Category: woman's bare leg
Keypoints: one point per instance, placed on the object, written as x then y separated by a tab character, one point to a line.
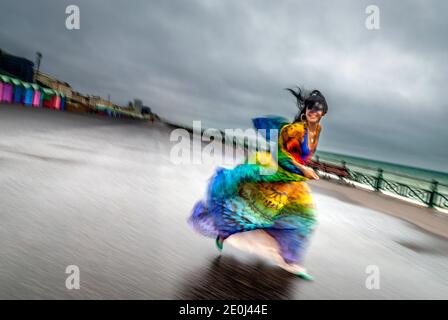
261	243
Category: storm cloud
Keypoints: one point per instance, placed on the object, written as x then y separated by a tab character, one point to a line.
227	61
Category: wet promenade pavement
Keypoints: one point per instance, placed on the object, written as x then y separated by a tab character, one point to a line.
102	194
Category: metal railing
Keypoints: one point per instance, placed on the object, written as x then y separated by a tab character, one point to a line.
431	197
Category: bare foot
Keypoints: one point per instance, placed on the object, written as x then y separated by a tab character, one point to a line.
291	267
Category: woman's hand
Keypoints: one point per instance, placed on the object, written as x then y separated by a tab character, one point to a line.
307	171
310	174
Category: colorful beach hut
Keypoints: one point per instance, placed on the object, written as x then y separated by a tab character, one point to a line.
48	98
61	101
101	109
18	90
36	95
28	94
56	101
1	89
7	92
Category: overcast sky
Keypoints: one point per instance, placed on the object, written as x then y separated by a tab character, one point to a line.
227	61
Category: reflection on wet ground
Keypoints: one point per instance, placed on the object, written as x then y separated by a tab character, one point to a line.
228	278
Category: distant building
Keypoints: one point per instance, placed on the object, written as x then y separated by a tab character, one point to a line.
48	81
16	67
138	105
146	110
75	100
97	100
78	103
79	98
59	93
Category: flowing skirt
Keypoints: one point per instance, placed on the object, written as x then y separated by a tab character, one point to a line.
242	200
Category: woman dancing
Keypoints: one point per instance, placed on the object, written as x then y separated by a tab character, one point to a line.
279	204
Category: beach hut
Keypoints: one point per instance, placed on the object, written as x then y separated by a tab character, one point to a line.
62	102
41	100
56	101
47	98
36	95
101	109
18	90
1	89
7	89
28	94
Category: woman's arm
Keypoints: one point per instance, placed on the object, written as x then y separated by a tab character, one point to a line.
307	171
292	137
293	148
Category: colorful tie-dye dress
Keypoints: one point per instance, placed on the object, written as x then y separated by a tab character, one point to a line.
264	193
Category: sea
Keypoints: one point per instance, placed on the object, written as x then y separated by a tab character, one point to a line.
412	176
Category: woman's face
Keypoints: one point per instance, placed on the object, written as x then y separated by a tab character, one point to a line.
314	114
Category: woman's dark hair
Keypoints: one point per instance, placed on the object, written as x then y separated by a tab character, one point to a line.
305	100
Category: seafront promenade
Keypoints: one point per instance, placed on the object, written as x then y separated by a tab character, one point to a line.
101	193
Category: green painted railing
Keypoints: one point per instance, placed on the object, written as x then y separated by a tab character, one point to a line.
431	197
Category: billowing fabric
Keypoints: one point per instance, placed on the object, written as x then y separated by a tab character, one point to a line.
264	193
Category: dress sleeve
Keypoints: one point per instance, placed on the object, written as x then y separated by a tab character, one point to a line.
290	150
265	124
292	136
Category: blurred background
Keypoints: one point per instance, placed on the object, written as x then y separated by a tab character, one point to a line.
90	93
